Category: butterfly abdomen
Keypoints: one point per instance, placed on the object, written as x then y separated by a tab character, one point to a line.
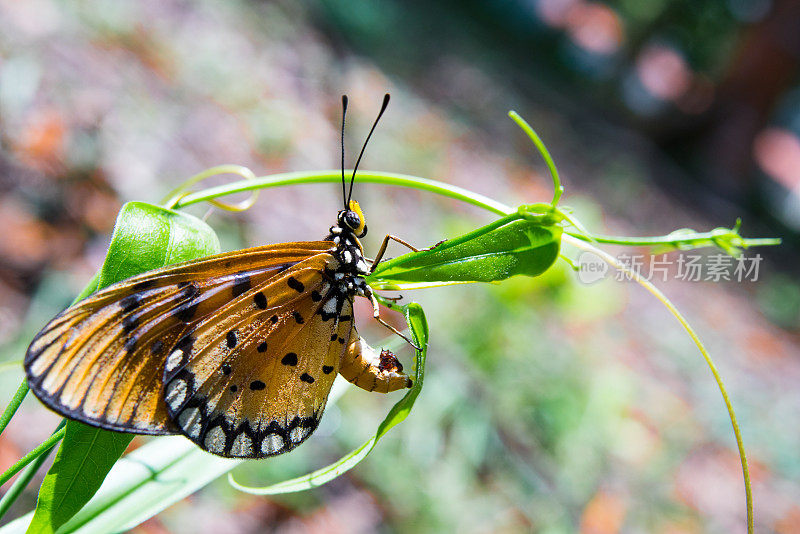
366	368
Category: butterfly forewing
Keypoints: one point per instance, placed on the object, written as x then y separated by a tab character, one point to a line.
255	384
102	360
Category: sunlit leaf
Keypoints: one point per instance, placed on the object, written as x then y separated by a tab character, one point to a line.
489	254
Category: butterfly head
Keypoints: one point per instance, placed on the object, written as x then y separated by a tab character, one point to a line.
353	220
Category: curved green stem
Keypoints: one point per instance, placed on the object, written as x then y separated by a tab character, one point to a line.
22	482
175	196
558	189
33	466
13	406
676	239
41	449
334	176
649	286
19	485
690	240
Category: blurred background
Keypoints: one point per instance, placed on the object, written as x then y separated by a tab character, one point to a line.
549	406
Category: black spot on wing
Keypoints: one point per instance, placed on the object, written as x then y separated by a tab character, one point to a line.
130	303
305	377
289	359
295	284
130	343
185	344
143	285
186	311
262	347
326	316
260	300
189	289
327	369
257	385
241	284
129	323
231	339
298	317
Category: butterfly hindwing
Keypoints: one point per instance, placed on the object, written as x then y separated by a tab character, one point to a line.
102	360
256	384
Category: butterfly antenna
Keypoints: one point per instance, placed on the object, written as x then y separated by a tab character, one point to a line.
353	178
344	112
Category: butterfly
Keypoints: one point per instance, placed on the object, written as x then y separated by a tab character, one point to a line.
237	352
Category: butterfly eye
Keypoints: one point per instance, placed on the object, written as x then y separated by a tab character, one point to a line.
351	220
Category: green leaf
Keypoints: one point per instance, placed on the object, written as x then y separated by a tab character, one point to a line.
83	460
419	332
148	237
145	237
508	247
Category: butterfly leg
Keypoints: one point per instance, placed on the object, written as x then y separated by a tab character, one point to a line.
376	313
370	370
382	250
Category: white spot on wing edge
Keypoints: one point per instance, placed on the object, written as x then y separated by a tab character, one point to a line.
93	411
174	360
272	444
298	433
189	420
215	440
242	446
176	393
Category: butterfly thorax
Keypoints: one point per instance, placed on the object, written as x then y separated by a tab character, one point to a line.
351	265
349	252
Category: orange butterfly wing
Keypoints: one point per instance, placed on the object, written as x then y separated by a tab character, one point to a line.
259	383
102	360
